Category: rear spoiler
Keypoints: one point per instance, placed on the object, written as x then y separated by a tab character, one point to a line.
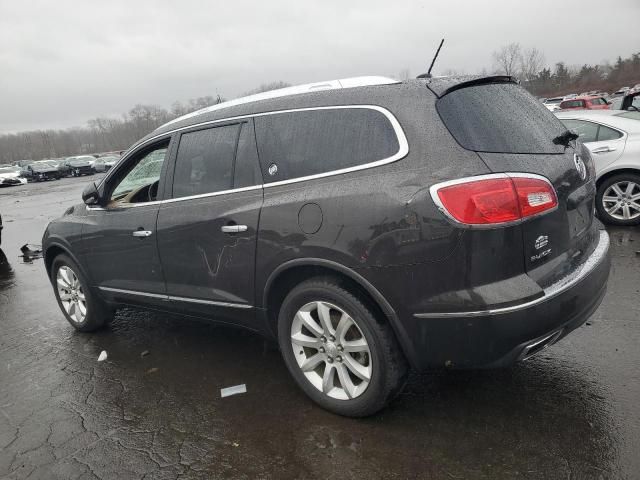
440	86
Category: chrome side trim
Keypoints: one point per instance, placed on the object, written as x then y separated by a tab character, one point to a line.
175	299
403	150
433	190
550	292
209	302
295	90
133	292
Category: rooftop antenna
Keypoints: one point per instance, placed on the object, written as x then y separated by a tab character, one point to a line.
428	74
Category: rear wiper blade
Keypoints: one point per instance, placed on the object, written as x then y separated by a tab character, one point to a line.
565	138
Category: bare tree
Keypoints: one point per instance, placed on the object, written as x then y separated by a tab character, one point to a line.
508	58
265	87
531	63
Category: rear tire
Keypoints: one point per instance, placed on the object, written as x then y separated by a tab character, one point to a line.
337	349
82	308
619	197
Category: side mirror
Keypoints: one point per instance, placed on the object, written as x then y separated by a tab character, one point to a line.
90	194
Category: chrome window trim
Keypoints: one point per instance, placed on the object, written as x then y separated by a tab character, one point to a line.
550	292
433	190
403	150
172	298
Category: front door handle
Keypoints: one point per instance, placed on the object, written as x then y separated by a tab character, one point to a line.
234	228
141	233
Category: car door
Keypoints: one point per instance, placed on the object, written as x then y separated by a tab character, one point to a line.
119	241
207	229
606	144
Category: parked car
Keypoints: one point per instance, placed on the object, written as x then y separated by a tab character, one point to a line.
497	253
80	165
553	104
104	164
40	172
630	102
10	175
613	137
588	103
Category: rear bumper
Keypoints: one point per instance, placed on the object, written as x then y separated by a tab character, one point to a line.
496	337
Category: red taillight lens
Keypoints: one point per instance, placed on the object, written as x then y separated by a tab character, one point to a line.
486	201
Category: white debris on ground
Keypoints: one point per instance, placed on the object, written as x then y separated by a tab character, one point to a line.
103	356
235	390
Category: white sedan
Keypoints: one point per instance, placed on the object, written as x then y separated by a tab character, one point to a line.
10	175
613	138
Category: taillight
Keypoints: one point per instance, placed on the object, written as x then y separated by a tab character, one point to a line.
495	199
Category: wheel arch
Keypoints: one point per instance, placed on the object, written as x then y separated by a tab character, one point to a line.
291	273
53	250
618	171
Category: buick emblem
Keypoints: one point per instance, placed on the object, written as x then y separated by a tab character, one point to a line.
541	241
273	169
580	166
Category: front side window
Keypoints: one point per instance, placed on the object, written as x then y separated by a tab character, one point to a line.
140	181
598	101
204	162
587	131
310	142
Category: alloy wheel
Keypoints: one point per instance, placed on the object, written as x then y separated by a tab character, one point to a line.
71	294
331	350
621	200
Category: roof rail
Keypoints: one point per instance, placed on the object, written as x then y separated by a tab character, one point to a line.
295	90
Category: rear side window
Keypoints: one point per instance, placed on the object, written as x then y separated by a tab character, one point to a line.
501	118
606	133
204	162
310	142
587	131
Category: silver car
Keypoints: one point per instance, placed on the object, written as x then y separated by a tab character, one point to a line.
613	138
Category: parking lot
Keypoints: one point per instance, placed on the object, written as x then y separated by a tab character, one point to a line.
153	408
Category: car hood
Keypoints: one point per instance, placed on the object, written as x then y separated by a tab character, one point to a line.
10	175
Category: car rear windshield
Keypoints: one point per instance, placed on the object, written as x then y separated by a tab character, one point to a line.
500	118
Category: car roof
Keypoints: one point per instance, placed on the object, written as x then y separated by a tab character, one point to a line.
607	117
288	91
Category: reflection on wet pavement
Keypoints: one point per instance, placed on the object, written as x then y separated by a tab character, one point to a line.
572	412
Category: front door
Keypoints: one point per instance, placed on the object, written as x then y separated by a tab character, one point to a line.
207	229
119	239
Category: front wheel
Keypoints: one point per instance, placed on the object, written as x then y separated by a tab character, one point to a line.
337	349
618	199
80	306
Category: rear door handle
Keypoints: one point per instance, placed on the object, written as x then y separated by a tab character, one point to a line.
605	149
141	233
234	228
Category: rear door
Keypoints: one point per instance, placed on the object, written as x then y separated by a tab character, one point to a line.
606	144
207	229
512	132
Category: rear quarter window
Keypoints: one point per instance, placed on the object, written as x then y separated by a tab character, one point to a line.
311	142
500	118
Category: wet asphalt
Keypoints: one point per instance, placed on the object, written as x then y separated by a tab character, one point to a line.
573	412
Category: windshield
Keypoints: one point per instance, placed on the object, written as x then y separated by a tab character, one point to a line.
501	118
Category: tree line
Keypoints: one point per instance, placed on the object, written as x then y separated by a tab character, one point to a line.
104	134
528	64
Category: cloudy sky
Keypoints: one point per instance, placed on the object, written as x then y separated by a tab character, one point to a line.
64	62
